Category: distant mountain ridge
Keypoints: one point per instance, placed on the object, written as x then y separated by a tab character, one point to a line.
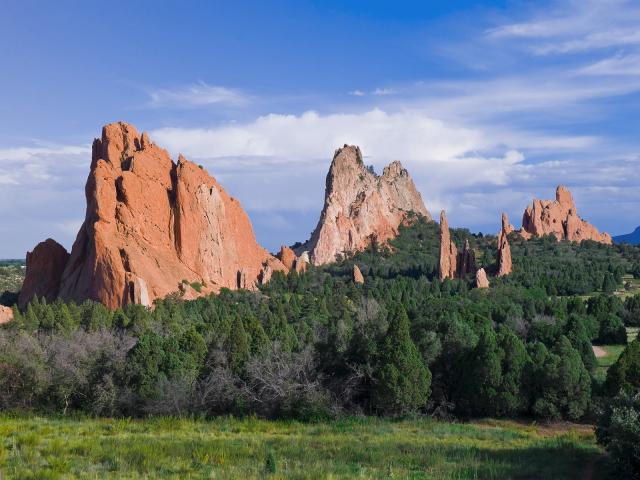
632	238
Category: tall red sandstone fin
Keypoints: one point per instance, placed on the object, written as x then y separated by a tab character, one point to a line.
361	207
448	251
467	263
505	265
45	265
560	218
151	223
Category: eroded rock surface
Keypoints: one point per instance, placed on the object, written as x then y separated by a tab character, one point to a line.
505	265
481	279
361	207
44	268
150	224
560	218
357	275
448	250
6	314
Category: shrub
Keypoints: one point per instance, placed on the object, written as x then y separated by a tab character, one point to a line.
618	430
624	374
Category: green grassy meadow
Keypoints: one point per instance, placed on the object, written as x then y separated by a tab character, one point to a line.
33	447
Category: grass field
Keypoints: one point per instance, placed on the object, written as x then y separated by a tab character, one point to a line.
613	352
603	363
225	448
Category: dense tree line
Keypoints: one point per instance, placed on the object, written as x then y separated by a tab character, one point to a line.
317	344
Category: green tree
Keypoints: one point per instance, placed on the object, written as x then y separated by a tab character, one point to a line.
403	380
561	383
624	374
238	346
482	376
618	430
510	399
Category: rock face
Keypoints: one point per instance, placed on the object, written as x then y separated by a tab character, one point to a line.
505	266
467	263
448	251
481	279
357	275
560	218
6	314
302	262
150	224
45	266
361	207
287	257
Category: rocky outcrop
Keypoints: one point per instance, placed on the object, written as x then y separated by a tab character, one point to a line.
150	224
6	314
302	262
481	279
44	268
560	218
467	263
448	251
361	207
357	275
505	266
288	257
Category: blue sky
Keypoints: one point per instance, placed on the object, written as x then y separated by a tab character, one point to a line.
488	104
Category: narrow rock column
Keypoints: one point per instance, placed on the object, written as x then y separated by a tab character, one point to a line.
505	266
448	250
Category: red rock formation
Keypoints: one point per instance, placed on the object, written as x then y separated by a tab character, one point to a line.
357	275
151	223
302	262
481	279
448	250
287	257
560	218
361	207
6	314
45	265
505	266
467	263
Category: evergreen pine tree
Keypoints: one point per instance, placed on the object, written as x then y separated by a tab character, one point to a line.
403	380
238	346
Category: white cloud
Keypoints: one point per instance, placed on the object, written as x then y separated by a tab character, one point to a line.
277	160
198	95
357	93
19	154
574	26
624	65
384	91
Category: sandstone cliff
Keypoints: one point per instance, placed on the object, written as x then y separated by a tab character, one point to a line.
153	227
560	218
361	207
